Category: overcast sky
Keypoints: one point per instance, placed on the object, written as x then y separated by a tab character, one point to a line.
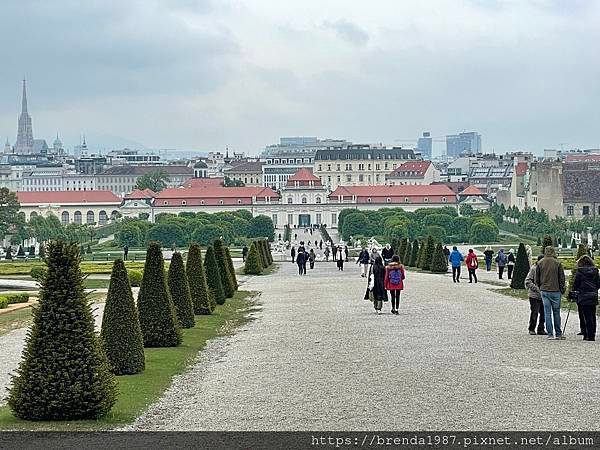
203	74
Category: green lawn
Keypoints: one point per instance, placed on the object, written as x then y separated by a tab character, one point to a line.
24	267
13	320
96	284
137	392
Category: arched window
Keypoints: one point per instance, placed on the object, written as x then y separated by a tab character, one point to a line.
318	200
304	200
64	218
389	200
102	218
165	202
239	201
32	215
220	202
114	215
369	200
444	199
289	200
90	217
77	217
406	200
426	200
202	202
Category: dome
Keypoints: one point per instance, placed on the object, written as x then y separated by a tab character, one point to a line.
200	165
57	142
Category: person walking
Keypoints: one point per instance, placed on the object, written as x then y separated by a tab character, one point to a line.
550	279
489	254
501	262
456	258
374	254
125	252
311	258
346	251
301	261
326	252
334	251
363	260
244	252
535	302
394	281
379	292
586	284
387	254
321	244
340	260
510	264
472	265
293	253
447	253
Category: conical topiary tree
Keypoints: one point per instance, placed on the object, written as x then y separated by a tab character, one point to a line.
573	243
213	277
270	253
156	310
42	251
264	260
9	255
121	333
414	254
226	280
402	250
180	292
32	251
64	373
202	298
439	263
521	268
407	252
547	242
539	241
21	252
427	254
253	265
231	268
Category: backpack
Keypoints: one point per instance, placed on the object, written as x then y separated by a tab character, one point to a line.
396	276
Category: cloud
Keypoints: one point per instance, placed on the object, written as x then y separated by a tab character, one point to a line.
348	32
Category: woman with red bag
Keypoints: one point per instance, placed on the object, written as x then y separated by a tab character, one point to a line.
394	281
472	265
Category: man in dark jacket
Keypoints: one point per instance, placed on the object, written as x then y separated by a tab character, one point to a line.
244	252
550	279
586	284
387	254
301	261
363	260
293	252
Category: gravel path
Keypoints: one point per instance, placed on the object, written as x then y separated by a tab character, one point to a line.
318	357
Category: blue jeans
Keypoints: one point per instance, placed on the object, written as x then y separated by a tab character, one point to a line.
552	310
488	264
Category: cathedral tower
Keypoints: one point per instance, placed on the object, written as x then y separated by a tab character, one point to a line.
24	143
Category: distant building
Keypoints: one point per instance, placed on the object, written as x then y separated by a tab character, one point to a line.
413	173
249	172
424	145
122	179
463	144
56	178
24	144
128	156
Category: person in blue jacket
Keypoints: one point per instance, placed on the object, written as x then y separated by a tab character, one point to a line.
456	258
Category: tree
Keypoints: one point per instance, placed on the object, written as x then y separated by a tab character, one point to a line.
521	268
167	234
129	235
231	268
437	232
213	277
226	280
253	265
21	252
9	255
207	234
355	224
64	373
42	251
466	210
483	233
261	227
201	296
420	255
9	207
407	252
180	292
402	250
439	263
121	333
414	254
156	181
156	310
547	242
428	253
573	243
228	182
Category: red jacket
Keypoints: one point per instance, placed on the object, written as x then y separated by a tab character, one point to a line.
471	261
394	287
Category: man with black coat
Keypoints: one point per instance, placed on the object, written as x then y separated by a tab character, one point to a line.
586	285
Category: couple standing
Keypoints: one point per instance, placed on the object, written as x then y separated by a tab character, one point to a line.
384	279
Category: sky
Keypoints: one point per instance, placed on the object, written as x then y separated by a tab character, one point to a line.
206	74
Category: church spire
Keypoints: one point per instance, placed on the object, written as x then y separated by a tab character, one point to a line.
24	100
24	144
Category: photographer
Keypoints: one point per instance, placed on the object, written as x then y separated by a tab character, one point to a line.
586	285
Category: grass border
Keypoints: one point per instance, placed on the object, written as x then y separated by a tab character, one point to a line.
137	392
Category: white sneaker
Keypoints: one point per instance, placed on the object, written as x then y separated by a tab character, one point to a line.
551	337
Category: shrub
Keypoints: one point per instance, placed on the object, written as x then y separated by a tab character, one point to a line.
402	250
21	252
231	268
64	373
213	277
12	299
121	332
253	265
547	242
157	313
8	253
407	252
3	302
135	277
538	242
32	250
202	298
427	255
482	232
38	273
180	292
42	251
420	255
439	263
521	268
261	227
89	249
414	254
226	280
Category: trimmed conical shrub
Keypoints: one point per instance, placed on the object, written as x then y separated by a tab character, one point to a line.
264	259
547	242
180	292
9	255
439	263
121	333
213	277
157	313
420	257
427	255
21	252
226	280
521	268
42	251
202	298
231	268
64	373
407	252
401	252
253	265
414	254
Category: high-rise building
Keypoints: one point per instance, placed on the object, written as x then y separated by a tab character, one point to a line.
468	143
24	143
424	145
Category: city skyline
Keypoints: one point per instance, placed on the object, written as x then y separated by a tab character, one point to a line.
241	75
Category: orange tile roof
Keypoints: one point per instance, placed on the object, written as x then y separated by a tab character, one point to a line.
397	194
472	190
411	169
138	194
67	197
304	174
213	195
203	182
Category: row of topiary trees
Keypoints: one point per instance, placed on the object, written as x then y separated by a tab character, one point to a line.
67	371
259	257
426	255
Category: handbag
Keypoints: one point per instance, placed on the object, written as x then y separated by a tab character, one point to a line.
573	295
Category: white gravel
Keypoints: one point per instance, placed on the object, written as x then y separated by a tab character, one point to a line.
318	357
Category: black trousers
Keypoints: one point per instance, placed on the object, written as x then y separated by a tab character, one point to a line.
581	319
395	294
456	274
301	269
589	316
510	271
472	275
537	309
500	271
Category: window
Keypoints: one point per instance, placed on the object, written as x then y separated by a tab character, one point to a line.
377	166
361	167
320	167
165	202
90	217
64	218
220	202
426	200
290	219
304	200
586	211
328	167
338	167
369	200
183	202
339	178
202	202
570	210
239	201
289	200
349	178
333	219
377	178
318	200
273	218
389	200
348	166
102	218
361	178
406	200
